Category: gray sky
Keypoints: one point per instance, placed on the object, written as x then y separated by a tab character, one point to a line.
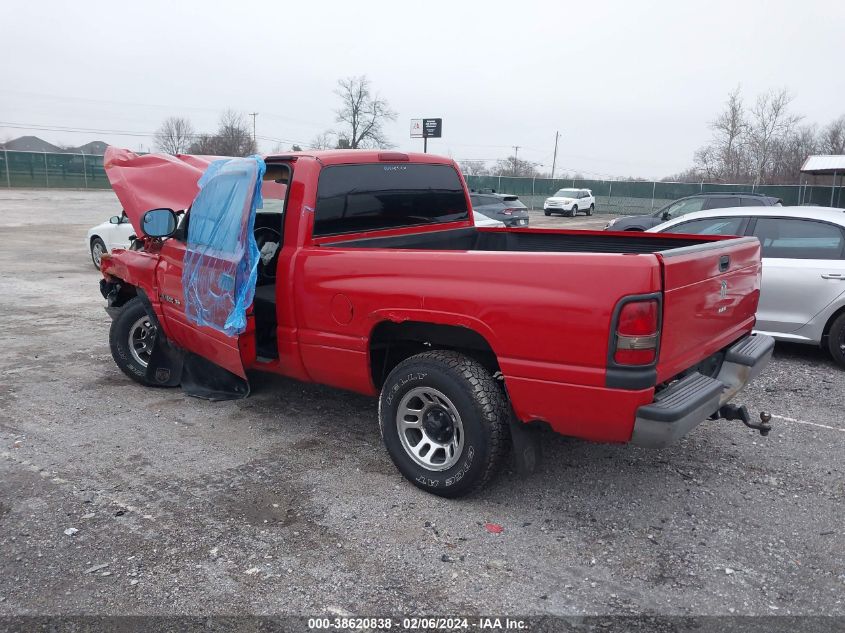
630	85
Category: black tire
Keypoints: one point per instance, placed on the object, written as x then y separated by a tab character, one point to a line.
836	340
483	415
119	340
98	248
548	213
574	212
591	209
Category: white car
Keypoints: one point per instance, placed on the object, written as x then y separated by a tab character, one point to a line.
570	201
802	295
107	236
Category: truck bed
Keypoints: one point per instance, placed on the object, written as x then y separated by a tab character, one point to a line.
527	240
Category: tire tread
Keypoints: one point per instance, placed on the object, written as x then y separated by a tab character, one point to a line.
488	396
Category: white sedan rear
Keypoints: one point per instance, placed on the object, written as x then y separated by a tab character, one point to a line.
802	297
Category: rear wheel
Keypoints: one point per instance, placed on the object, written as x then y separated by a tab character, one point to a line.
591	209
444	422
836	340
131	338
98	249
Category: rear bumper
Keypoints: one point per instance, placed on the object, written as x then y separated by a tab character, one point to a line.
683	406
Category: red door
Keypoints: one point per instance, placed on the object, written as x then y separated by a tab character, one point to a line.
211	344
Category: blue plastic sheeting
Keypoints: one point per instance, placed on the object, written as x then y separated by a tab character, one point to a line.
221	259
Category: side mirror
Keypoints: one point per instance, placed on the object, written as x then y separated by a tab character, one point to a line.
115	219
159	222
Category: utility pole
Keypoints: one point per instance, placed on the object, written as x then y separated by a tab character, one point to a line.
554	160
254	139
515	159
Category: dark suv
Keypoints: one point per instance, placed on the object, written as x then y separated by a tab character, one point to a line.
698	202
502	207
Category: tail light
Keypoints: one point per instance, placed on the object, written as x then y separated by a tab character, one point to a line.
637	333
508	211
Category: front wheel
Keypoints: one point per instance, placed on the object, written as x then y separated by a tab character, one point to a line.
98	249
573	212
131	338
444	422
836	340
548	213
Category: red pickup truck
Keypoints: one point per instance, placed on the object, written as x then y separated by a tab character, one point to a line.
373	278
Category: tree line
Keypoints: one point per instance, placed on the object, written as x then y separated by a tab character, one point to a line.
361	117
764	142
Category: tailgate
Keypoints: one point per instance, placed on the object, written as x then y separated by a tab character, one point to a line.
710	297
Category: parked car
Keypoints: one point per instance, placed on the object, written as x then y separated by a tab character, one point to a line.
690	204
504	208
109	235
480	219
386	288
568	202
802	297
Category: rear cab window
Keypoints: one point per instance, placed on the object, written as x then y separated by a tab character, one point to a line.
375	196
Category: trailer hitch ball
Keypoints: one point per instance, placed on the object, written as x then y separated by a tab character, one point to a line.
733	412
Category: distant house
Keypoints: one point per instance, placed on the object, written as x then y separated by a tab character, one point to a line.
35	144
30	144
94	147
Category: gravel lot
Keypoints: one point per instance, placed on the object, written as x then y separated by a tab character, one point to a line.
286	503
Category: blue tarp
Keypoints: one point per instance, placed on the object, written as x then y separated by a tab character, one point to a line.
221	257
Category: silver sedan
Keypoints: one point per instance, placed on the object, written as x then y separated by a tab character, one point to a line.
802	298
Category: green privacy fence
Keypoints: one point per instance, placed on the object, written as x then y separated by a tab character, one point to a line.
85	171
638	196
62	171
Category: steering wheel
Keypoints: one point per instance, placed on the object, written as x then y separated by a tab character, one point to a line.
264	235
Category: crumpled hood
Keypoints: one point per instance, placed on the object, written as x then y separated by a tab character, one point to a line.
153	181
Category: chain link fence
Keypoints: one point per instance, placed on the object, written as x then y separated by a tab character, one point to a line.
46	170
85	171
640	197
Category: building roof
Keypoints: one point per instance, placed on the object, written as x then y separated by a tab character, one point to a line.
30	144
824	164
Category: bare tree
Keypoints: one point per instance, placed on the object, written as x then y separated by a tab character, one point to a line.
789	154
513	166
771	123
204	144
323	141
362	114
234	136
728	150
832	139
174	136
474	167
